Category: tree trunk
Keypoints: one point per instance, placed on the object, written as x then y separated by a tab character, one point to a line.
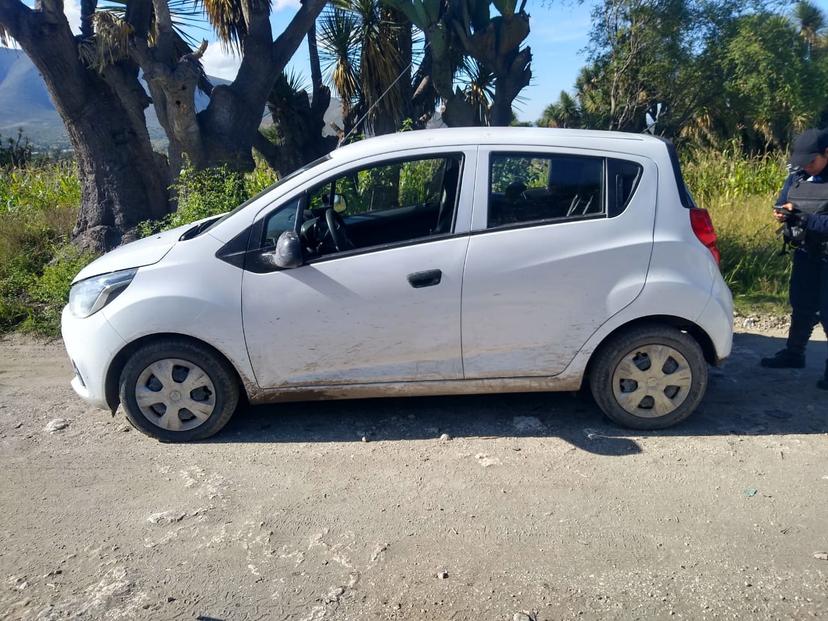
122	181
512	79
224	133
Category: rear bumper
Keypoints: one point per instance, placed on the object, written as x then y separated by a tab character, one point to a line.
92	344
717	321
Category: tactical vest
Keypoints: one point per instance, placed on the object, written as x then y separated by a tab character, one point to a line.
811	198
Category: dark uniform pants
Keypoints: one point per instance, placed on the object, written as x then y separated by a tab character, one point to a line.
809	298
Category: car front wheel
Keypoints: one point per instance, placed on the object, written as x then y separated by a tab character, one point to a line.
178	391
650	377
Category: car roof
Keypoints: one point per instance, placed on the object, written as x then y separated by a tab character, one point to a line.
527	136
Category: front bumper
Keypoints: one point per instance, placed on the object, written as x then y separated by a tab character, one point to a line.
92	344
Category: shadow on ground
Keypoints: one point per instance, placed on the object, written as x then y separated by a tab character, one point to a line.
742	399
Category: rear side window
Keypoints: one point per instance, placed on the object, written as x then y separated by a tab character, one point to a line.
622	180
526	188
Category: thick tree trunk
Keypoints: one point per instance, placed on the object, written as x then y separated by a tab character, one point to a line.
297	127
225	132
514	77
122	180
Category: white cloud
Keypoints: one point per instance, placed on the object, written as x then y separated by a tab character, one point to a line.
220	63
72	10
281	5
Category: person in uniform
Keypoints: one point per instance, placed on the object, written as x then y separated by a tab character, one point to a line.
808	230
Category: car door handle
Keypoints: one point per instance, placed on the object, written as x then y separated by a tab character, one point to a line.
428	278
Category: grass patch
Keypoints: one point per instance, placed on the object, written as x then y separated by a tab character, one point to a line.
38	208
739	193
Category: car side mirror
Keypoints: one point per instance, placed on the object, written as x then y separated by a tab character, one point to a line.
288	252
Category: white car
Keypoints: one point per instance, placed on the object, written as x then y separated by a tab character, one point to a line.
435	262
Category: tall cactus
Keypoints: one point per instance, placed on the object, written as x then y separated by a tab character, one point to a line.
494	42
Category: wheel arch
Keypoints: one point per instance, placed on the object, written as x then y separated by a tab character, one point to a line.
680	323
113	373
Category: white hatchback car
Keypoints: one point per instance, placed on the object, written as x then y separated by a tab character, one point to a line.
424	263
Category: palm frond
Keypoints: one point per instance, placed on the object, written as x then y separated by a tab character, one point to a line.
478	84
380	61
110	43
187	18
227	19
339	49
810	18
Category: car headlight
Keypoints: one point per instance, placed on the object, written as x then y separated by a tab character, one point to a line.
91	295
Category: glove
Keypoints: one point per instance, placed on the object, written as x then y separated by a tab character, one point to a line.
794	218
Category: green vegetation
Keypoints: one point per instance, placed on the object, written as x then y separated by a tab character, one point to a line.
209	192
39	203
739	193
702	72
38	207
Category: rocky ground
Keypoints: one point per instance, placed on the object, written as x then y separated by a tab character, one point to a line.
507	507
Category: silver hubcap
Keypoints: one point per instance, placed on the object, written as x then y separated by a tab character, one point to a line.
175	394
652	381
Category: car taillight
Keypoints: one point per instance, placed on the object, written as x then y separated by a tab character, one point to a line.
703	228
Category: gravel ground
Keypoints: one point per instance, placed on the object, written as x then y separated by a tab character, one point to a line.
529	507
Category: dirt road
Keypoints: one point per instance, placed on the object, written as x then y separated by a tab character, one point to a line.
535	508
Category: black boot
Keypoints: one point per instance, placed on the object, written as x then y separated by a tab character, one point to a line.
823	383
784	359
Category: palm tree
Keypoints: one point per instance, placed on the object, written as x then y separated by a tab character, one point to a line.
367	49
478	88
811	22
566	112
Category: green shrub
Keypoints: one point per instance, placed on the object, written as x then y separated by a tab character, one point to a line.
38	207
210	192
48	293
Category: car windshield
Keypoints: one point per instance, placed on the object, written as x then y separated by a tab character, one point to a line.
295	173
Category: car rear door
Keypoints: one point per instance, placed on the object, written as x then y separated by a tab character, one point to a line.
555	251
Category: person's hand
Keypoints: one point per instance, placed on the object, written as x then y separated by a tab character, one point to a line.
783	217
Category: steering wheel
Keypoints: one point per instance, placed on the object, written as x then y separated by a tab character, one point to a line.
336	228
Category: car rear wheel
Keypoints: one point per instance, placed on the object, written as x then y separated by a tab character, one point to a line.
650	377
178	391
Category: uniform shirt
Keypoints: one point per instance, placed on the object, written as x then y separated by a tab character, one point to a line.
818	223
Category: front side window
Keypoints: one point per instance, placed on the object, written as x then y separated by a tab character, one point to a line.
281	220
525	188
382	204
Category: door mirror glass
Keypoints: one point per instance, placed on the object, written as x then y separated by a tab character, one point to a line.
288	251
339	204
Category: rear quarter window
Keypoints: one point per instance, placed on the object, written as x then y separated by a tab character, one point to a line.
623	177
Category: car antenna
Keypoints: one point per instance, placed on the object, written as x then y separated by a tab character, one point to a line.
379	99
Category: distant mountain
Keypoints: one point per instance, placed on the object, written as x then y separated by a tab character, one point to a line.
25	104
24	101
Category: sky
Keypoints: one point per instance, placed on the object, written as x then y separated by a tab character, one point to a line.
559	33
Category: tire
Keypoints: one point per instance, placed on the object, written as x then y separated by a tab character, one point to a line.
632	394
178	391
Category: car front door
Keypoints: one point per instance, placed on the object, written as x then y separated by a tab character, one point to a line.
387	310
555	251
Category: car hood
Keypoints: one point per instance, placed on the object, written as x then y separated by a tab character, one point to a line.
135	254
